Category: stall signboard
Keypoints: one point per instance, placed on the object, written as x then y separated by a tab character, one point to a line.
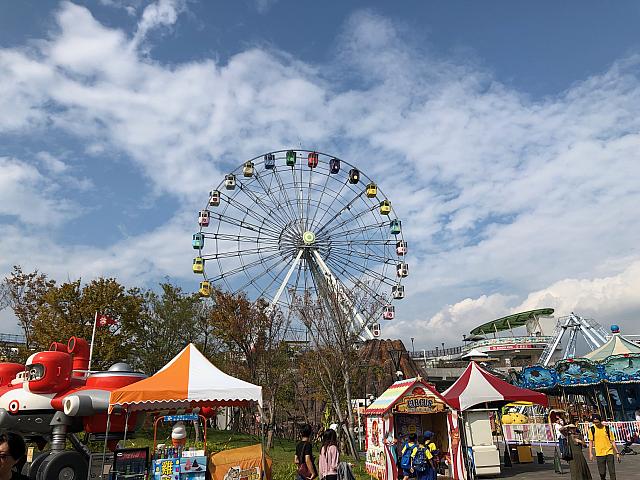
420	404
130	463
186	467
376	456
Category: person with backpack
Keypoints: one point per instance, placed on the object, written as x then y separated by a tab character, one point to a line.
421	461
602	442
433	449
329	456
304	456
405	458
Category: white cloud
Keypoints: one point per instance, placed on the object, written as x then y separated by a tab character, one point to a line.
29	196
609	300
162	13
501	195
51	163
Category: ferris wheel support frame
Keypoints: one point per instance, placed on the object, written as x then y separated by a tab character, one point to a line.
364	333
284	283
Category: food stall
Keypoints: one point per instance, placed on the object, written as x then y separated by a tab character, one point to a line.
409	406
190	383
478	395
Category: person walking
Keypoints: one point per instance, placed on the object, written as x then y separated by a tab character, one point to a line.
304	456
405	458
329	456
12	451
602	442
421	460
431	445
578	464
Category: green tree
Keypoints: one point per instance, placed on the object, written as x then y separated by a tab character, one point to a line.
69	310
255	335
169	321
23	293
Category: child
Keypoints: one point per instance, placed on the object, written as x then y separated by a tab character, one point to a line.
421	460
405	458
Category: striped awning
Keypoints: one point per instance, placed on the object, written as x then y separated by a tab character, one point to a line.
392	395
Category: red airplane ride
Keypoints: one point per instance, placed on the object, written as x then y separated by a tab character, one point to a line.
54	397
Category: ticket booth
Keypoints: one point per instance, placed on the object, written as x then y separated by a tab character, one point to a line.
408	406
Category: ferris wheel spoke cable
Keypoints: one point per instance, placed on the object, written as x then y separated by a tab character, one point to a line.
364	255
322	191
354	216
310	191
278	204
267	211
336	197
240	252
368	272
253	280
356	230
375	242
357	192
380	300
237	270
243	224
285	195
346	207
356	280
230	237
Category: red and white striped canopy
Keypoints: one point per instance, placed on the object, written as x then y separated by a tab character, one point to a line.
476	387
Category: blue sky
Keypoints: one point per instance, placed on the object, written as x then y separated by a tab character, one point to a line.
506	134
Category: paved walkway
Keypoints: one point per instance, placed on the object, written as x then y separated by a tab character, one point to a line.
628	468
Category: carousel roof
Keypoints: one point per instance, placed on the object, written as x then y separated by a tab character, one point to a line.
617	345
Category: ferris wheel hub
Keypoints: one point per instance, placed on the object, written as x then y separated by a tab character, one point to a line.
308	237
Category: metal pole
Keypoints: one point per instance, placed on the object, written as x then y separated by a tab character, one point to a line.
104	448
93	337
126	424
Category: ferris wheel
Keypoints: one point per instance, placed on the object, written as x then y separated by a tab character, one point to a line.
297	222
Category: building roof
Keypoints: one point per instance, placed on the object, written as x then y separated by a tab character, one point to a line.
511	321
396	391
475	353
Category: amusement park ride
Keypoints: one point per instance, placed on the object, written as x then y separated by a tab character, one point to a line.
53	397
281	228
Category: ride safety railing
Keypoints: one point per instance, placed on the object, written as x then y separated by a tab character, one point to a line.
544	434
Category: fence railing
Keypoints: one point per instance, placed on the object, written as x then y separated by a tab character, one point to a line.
9	338
544	433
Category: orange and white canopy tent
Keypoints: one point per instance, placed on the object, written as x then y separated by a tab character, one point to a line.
187	381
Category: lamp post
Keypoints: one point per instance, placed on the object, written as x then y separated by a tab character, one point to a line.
396	356
413	350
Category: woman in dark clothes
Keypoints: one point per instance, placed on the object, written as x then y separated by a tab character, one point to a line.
578	464
304	456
